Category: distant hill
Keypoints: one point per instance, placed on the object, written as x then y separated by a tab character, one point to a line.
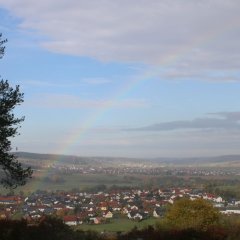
202	160
70	159
63	159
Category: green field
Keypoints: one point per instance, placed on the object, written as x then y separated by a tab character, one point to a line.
220	185
118	225
78	181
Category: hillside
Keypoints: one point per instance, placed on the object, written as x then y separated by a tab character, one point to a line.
37	158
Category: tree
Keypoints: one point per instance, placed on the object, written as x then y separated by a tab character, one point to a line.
2	47
11	171
198	214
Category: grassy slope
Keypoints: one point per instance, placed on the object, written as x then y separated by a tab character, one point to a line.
118	225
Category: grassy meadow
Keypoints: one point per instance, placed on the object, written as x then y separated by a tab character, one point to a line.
118	225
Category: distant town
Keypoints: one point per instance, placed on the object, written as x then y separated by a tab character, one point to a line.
145	170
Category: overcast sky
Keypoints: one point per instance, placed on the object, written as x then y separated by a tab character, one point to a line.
139	78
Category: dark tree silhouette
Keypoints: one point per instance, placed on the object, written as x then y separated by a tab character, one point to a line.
11	171
2	48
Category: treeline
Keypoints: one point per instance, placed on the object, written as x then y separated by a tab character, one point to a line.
54	179
47	229
228	189
213	233
54	229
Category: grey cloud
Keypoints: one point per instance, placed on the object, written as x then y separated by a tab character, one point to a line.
194	74
230	116
199	35
225	121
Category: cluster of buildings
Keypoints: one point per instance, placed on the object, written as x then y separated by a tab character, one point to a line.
144	169
95	208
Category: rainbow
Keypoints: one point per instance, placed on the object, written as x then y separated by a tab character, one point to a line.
155	71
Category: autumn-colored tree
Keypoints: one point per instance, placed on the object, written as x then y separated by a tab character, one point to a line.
197	214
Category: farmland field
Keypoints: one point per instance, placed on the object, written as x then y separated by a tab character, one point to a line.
121	225
75	181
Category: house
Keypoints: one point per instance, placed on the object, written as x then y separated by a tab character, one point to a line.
49	211
108	215
218	200
13	200
41	208
58	207
30	209
218	205
97	220
209	196
103	206
115	205
91	213
158	212
70	206
36	216
135	216
70	220
134	207
231	212
125	210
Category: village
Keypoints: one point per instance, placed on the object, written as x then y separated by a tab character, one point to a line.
143	169
97	208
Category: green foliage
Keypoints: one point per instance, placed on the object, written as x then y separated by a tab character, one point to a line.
196	214
48	229
54	179
121	224
2	48
228	189
12	172
96	188
52	228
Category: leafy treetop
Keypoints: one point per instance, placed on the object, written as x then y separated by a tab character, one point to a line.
197	214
